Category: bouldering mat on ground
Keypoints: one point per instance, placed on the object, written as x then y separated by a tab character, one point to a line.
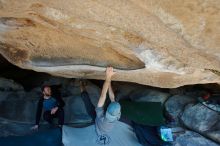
145	113
121	135
51	137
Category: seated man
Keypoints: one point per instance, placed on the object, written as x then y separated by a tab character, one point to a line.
104	122
53	108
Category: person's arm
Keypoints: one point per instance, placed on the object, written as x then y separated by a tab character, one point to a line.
59	104
38	114
109	74
111	93
102	98
39	111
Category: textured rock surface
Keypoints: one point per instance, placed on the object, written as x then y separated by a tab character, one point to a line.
215	135
158	43
10	90
175	105
200	118
139	93
9	85
203	120
20	106
190	138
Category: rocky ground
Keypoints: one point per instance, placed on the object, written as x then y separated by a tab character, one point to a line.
199	124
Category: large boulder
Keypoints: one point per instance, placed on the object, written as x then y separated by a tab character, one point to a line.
7	95
20	106
21	110
190	138
140	93
34	93
158	43
9	85
10	89
75	110
175	105
73	89
199	117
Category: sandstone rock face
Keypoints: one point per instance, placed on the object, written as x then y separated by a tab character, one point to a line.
157	43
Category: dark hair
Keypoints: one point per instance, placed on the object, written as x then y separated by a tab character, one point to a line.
44	86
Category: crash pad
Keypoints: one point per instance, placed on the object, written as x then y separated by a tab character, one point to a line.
145	113
121	135
51	137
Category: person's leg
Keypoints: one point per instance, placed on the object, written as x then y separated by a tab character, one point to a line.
48	117
90	108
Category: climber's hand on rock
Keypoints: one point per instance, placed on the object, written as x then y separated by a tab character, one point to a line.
109	72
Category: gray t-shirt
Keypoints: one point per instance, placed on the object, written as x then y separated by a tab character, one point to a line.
101	123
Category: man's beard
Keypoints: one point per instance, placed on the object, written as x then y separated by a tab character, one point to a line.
47	94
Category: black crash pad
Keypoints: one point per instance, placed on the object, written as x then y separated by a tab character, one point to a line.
145	113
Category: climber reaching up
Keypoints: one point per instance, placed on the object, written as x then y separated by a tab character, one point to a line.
104	121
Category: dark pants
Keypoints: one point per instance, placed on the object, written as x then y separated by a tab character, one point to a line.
90	108
59	114
148	135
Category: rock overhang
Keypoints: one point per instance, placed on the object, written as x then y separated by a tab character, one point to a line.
147	42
